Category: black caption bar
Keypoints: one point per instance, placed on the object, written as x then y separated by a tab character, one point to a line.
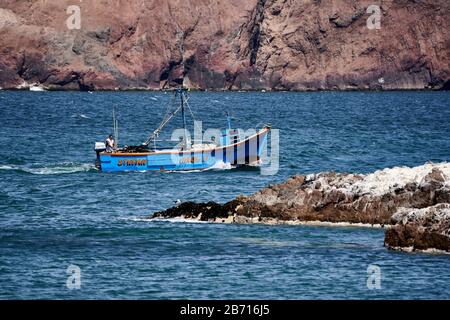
226	309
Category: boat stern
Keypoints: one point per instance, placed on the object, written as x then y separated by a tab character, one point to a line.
99	148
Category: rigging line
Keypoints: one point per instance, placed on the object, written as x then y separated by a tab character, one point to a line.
158	130
167	113
257	125
192	114
163	122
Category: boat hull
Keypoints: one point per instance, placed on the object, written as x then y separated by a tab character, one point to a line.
245	152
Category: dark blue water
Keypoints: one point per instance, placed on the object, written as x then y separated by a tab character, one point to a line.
56	210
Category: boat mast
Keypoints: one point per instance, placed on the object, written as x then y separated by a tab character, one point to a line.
116	139
115	129
184	118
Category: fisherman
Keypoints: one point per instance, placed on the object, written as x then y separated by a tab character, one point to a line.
109	143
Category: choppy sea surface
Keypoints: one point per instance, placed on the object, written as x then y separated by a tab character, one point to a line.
57	210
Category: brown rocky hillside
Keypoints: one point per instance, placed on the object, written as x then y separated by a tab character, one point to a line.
232	44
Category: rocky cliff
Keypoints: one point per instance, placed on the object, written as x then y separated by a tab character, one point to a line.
233	44
414	202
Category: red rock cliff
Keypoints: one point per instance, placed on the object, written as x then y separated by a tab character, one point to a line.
232	44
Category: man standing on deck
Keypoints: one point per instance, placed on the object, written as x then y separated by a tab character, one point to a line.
109	143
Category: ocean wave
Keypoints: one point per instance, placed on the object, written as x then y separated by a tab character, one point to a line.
265	242
171	220
57	168
134	219
176	220
80	115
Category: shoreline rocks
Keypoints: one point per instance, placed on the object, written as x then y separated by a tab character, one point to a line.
420	229
412	202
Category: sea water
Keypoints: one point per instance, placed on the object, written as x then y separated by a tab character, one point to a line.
68	231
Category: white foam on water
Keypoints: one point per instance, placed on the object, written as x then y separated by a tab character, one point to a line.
37	88
135	219
80	115
175	220
220	165
7	167
61	168
185	171
259	163
154	98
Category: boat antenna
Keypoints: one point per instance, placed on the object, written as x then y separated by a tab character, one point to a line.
229	120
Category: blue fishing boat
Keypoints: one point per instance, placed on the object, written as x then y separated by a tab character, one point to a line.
231	148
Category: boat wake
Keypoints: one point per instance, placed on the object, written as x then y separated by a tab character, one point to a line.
57	168
218	166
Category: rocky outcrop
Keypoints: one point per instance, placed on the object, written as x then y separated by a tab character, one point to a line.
210	211
385	197
420	229
202	44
